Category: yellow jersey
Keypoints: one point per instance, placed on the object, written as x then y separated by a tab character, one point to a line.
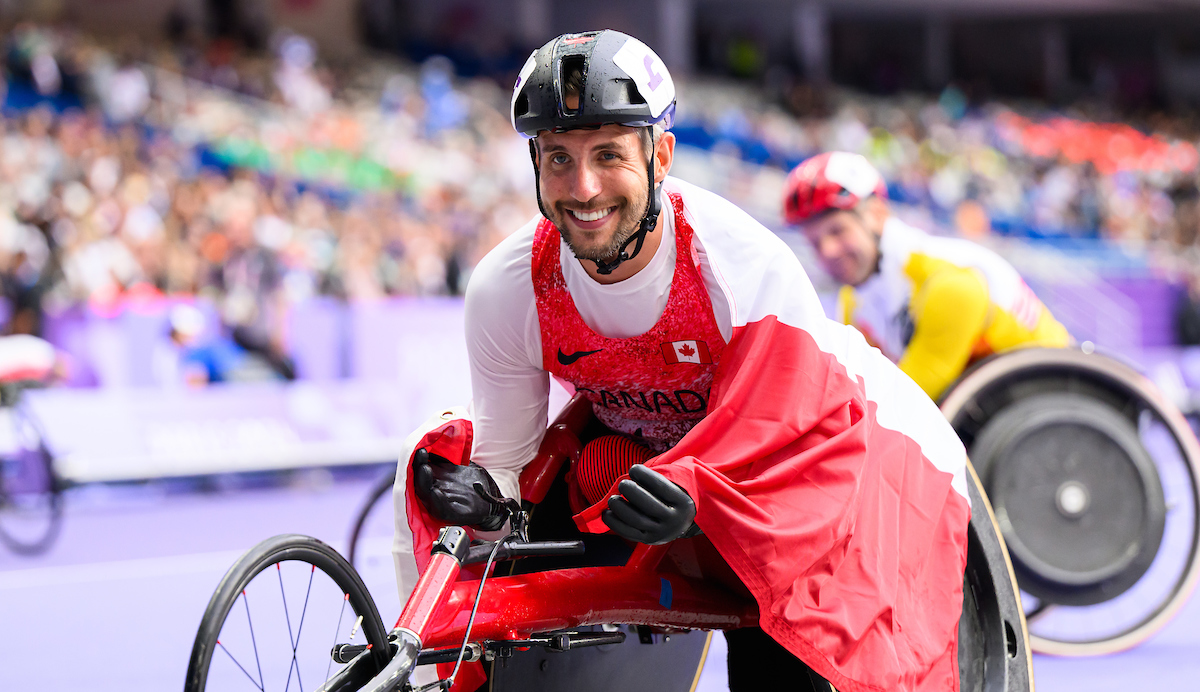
936	305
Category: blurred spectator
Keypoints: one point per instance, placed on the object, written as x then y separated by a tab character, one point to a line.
128	93
295	78
194	355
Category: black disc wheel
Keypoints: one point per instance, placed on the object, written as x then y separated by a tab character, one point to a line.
30	492
1094	477
1077	496
276	617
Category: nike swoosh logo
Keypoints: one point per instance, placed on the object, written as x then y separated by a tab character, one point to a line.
567	359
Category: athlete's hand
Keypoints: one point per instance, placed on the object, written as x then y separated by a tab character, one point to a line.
650	508
448	491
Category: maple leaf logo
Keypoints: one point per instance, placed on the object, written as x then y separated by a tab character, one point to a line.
687	351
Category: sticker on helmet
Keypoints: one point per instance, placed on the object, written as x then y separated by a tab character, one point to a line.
649	74
852	172
527	70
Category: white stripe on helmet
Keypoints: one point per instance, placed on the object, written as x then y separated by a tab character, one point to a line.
527	70
649	73
853	172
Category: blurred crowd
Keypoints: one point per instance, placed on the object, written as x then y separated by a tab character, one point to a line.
251	182
1020	170
258	180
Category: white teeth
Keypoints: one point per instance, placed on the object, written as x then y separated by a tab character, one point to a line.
591	215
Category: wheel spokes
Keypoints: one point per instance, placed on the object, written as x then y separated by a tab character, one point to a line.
296	643
239	665
254	643
284	655
337	628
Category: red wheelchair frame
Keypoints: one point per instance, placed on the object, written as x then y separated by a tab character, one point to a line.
683	585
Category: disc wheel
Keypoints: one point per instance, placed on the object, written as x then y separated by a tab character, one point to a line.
1086	612
277	615
1077	496
30	492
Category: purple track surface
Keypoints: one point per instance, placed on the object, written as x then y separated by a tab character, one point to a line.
115	603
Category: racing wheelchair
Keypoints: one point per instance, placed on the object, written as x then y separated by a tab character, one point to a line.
560	596
1092	474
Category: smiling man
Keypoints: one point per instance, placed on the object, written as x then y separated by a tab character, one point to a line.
825	478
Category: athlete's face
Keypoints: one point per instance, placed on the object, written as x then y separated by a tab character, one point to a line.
594	185
846	247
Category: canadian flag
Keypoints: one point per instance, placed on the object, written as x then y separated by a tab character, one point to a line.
688	351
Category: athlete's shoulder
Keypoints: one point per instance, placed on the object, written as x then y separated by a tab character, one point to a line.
714	217
501	313
900	239
503	276
508	261
756	271
729	235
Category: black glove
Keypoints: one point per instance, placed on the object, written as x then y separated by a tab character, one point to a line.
448	491
650	508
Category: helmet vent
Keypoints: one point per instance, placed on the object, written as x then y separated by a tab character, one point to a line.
521	107
573	76
632	94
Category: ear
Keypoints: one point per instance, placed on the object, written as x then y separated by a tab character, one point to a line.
664	156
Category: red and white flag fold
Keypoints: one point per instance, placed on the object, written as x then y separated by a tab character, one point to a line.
823	475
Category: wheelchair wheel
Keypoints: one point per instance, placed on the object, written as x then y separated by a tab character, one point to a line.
276	616
370	544
993	645
370	523
1093	475
30	492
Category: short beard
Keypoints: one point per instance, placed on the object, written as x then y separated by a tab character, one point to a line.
630	220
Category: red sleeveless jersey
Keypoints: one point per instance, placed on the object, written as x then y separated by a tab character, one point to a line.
654	386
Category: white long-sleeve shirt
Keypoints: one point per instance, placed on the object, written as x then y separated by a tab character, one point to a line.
504	344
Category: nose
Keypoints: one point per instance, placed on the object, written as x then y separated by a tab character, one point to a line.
828	248
585	183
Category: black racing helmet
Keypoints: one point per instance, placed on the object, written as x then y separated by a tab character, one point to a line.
624	83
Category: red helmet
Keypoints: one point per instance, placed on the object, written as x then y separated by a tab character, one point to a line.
833	180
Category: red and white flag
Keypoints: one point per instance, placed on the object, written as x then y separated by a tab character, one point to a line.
687	351
823	475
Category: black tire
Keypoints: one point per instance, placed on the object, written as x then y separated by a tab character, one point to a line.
994	653
381	488
30	492
273	551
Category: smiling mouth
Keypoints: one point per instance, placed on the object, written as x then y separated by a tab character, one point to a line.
588	216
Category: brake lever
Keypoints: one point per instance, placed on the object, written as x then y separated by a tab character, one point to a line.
510	508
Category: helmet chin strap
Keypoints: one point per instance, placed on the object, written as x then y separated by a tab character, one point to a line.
648	223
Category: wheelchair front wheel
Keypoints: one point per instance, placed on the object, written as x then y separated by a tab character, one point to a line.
276	617
30	491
